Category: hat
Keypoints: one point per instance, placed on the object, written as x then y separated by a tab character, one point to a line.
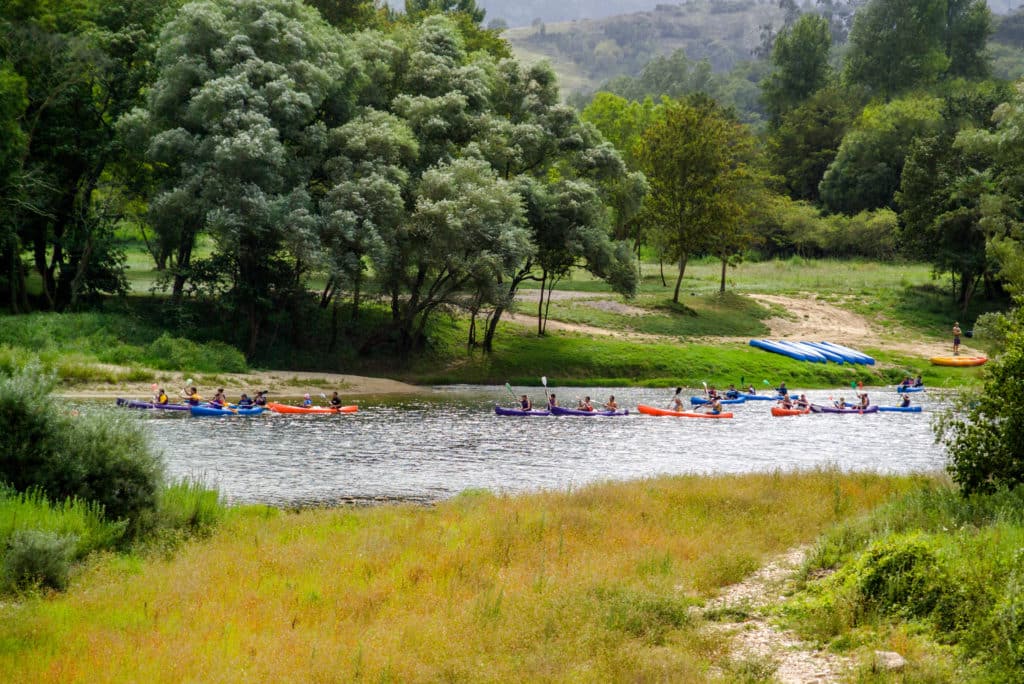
305	396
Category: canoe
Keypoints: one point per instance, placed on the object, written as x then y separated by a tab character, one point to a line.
832	409
830	354
502	411
761	397
903	389
135	404
958	360
901	409
286	408
652	411
698	401
777	348
214	411
560	411
852	354
810	353
778	411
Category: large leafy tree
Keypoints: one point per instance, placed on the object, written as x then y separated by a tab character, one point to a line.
800	57
234	120
865	173
84	64
694	157
13	143
897	45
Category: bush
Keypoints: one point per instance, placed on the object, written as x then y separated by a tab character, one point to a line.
102	457
191	507
35	558
72	517
985	440
176	353
900	576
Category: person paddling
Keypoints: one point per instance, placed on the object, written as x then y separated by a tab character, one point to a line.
161	397
261	398
244	401
335	401
192	395
676	404
802	402
219	399
841	404
307	401
611	404
714	407
732	392
552	402
905	401
585	405
782	389
525	403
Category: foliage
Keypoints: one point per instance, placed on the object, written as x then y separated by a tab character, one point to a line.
800	57
866	170
35	558
899	45
98	457
985	439
81	520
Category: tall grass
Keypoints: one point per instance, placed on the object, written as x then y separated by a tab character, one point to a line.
83	520
592	585
933	574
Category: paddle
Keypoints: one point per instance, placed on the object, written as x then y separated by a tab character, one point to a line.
705	388
544	382
512	394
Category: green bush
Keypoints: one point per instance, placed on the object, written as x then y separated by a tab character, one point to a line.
83	520
176	353
900	575
103	457
36	558
191	507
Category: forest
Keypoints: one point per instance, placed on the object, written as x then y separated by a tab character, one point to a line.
348	173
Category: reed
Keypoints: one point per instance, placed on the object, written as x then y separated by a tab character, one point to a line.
591	585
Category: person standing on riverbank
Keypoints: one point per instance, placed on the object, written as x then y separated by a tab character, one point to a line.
956	338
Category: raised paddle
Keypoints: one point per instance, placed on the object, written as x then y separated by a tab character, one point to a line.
511	393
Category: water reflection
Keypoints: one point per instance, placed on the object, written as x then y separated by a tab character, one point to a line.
449	439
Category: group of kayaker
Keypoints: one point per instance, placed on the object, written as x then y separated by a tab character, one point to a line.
584	404
192	398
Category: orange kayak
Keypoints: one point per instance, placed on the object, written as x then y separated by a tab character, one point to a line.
958	360
285	408
652	411
779	411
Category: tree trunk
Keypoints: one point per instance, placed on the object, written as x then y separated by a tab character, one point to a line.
661	270
721	287
188	240
540	304
679	280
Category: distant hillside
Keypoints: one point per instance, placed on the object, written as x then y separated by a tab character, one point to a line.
588	53
517	13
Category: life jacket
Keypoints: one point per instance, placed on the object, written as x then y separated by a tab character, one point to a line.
162	399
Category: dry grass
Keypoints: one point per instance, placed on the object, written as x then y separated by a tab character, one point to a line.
592	585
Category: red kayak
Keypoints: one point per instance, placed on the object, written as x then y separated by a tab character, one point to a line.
779	411
285	408
652	411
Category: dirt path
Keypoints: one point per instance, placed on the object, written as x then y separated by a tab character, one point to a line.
756	638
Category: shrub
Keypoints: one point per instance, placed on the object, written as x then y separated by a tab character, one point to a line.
900	575
102	457
72	517
190	506
36	558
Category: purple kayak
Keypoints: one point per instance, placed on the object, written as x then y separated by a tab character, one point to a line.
815	408
559	411
136	404
502	411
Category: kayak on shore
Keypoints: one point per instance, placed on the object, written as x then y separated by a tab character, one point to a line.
287	408
654	411
958	360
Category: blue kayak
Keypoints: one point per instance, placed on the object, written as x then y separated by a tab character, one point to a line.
903	389
809	352
761	397
214	411
900	409
777	348
502	411
829	354
851	355
697	401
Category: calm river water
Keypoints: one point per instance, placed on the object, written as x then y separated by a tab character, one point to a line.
445	440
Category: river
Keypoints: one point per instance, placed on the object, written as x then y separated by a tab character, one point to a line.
446	440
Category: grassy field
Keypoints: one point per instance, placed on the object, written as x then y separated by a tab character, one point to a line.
600	584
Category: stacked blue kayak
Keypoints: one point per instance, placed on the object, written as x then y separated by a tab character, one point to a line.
814	352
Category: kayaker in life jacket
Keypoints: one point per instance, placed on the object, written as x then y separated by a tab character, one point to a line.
261	398
782	389
715	407
525	403
244	401
335	400
802	402
786	402
676	404
552	403
841	404
193	396
905	401
306	401
732	392
611	405
918	382
219	399
751	390
864	400
161	397
585	405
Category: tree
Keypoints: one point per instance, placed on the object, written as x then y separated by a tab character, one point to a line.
807	138
346	15
865	173
234	122
694	158
13	144
897	45
800	57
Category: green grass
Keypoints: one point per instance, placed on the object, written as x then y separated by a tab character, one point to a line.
590	585
933	575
